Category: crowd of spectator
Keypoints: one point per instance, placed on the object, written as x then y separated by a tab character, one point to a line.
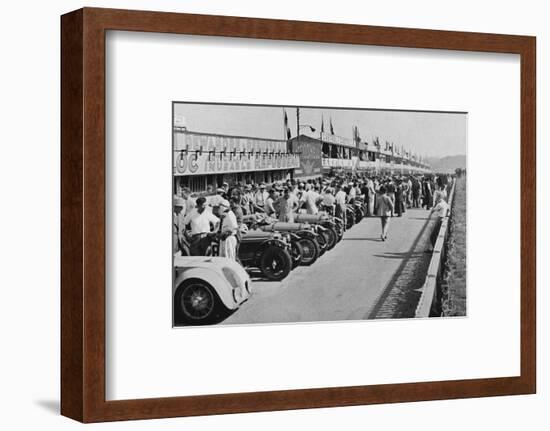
223	209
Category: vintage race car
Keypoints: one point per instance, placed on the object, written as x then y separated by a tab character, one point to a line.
207	288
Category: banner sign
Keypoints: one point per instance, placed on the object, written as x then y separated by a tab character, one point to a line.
337	163
365	164
338	140
193	163
310	157
191	141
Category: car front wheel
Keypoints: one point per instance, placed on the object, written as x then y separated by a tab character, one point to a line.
310	250
332	237
296	253
275	263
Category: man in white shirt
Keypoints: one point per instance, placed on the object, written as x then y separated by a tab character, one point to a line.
328	200
202	223
441	209
228	243
293	199
310	197
189	202
260	198
352	192
371	196
439	212
340	200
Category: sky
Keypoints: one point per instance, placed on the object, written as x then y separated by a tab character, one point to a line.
430	134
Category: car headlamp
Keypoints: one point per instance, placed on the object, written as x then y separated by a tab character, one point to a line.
237	294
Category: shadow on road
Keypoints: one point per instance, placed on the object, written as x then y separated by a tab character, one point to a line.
406	290
406	255
362	239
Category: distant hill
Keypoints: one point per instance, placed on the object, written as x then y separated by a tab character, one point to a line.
446	164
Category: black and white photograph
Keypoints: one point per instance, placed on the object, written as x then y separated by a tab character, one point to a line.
286	214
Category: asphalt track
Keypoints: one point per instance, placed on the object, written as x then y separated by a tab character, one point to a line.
349	282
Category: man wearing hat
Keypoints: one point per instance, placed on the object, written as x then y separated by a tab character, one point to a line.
215	201
229	228
247	199
260	198
270	202
202	223
329	200
225	188
340	201
285	206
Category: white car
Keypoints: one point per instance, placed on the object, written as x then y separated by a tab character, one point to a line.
207	288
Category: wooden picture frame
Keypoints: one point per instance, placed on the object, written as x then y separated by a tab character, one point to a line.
83	214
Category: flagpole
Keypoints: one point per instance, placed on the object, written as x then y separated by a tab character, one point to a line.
297	121
285	137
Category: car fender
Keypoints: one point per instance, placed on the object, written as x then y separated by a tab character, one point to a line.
307	234
216	279
294	236
328	224
271	241
275	242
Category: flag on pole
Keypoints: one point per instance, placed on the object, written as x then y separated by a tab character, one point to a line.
331	128
286	128
356	136
322	124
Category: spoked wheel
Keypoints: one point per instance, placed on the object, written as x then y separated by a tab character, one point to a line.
310	250
322	241
358	215
275	263
331	236
339	228
195	302
295	253
340	232
350	219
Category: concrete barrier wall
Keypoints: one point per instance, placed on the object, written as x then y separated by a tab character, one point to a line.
433	276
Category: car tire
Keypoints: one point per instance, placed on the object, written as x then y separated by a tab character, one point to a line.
275	263
196	302
322	240
332	237
358	215
339	228
296	253
350	219
310	250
